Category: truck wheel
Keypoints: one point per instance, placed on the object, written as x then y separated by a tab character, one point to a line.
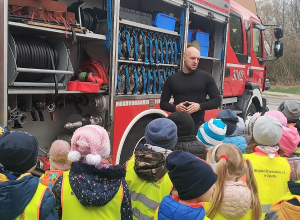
251	110
135	136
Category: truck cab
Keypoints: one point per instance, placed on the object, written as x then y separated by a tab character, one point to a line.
246	72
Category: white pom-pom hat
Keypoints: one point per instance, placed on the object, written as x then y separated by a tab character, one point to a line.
91	142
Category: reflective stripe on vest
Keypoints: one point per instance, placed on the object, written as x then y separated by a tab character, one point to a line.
145	196
218	216
72	208
32	210
271	176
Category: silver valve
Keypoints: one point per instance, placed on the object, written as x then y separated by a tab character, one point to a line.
90	121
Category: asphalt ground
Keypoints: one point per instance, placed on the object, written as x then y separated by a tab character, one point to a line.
274	99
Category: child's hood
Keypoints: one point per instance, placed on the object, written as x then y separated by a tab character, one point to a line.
150	162
236	201
95	186
15	195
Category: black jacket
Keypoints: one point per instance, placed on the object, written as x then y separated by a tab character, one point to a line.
192	145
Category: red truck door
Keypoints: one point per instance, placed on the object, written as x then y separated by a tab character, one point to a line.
257	67
237	58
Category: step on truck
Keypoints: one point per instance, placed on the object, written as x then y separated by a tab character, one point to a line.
65	64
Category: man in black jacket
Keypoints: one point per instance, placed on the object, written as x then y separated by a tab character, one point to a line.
186	141
189	89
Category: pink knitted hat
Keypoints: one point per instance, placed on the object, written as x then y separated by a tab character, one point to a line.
59	155
290	136
289	140
91	142
279	115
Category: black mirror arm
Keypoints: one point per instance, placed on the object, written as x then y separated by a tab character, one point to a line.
273	59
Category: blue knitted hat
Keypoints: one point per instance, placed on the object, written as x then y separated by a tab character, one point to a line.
161	132
19	151
191	176
212	133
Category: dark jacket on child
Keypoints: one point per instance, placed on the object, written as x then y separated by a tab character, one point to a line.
186	141
192	145
17	190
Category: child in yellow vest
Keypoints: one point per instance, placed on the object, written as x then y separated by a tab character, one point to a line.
21	194
288	207
194	180
233	198
93	188
58	162
271	169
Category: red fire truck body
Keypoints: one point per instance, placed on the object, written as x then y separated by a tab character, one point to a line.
235	59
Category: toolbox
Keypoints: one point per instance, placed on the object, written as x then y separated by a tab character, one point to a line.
164	21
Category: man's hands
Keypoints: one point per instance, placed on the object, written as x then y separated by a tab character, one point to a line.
193	107
181	107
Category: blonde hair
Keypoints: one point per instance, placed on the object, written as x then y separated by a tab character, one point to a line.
233	168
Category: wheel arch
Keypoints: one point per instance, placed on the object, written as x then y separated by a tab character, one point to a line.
145	115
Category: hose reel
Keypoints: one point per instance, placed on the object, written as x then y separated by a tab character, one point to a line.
34	52
34	61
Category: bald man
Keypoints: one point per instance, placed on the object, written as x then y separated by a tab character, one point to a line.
189	89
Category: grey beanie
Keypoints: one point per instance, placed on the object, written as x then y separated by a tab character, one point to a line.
290	109
161	132
240	127
267	131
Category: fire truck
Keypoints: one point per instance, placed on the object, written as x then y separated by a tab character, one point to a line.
66	64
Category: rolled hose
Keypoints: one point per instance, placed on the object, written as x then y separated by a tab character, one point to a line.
94	67
34	52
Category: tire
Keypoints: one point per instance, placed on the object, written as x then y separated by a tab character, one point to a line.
251	110
135	136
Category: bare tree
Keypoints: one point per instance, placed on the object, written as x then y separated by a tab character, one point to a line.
285	13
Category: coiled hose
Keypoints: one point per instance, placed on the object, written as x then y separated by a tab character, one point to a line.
36	53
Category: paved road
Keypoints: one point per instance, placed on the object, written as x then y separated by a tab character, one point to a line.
275	99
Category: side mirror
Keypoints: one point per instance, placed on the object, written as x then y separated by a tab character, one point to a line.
261	61
278	32
260	27
278	49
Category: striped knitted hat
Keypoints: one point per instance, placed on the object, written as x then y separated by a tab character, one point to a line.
212	133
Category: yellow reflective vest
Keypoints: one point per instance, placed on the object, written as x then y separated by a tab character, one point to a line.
218	216
272	175
72	208
287	197
32	210
145	196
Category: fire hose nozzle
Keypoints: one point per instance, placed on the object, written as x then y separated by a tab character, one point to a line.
73	125
91	121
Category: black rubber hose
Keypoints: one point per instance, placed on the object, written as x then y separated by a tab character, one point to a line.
36	53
